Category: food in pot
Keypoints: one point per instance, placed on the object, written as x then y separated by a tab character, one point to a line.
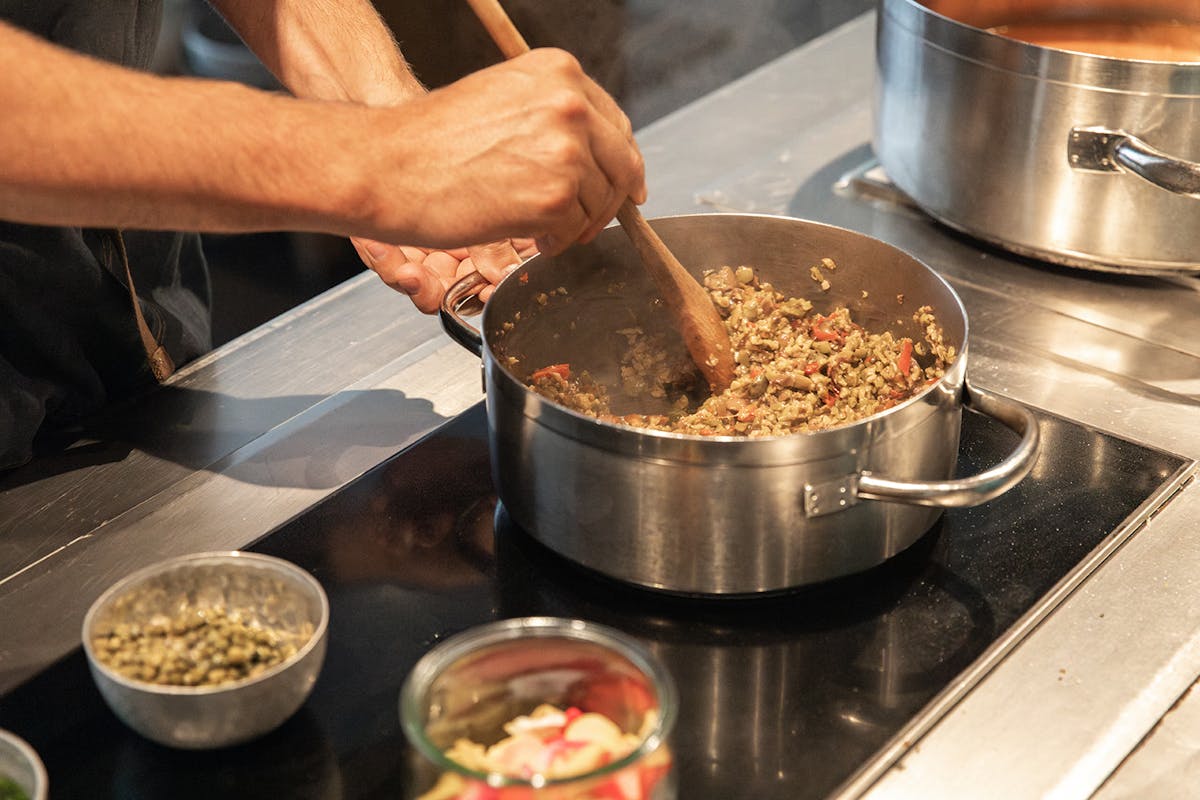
196	647
555	744
1144	39
11	790
795	370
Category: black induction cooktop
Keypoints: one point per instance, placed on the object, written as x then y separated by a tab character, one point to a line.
781	697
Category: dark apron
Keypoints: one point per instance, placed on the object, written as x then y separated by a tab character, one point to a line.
69	342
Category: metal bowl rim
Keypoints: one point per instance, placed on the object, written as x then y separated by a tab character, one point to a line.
41	780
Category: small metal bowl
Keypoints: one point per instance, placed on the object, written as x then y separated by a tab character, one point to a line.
21	765
279	595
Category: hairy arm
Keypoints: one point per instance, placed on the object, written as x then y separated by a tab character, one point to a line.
530	146
87	143
325	49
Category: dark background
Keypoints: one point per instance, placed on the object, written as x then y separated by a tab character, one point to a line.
654	56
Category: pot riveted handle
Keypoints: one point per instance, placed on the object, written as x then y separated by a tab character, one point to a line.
1104	150
459	330
832	496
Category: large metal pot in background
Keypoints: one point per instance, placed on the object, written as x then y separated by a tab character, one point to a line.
722	515
1075	158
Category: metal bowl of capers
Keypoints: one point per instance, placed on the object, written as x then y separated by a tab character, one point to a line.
210	649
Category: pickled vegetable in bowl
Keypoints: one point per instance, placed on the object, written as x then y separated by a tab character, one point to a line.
11	790
208	649
197	646
539	707
556	745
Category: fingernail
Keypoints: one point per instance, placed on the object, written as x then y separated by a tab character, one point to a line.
376	250
511	268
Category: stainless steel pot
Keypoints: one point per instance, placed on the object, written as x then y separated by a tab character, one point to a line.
722	515
1078	159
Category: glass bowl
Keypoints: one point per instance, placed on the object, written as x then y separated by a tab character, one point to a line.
540	707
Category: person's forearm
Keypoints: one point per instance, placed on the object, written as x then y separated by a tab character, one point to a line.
87	143
325	49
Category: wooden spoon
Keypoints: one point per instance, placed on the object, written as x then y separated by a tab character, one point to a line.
696	317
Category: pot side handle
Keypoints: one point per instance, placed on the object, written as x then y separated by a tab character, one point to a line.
459	329
991	483
1104	150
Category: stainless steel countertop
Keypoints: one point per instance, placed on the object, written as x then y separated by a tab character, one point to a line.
267	426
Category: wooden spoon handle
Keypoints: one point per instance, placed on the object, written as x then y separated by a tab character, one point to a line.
697	319
500	27
702	328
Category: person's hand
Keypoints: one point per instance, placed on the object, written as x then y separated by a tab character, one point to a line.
528	147
424	274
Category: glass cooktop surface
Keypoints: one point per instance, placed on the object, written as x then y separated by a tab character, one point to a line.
781	697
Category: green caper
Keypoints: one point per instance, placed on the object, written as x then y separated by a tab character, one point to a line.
199	647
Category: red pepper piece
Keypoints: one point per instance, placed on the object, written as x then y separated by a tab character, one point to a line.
477	790
904	364
608	790
561	370
822	335
651	776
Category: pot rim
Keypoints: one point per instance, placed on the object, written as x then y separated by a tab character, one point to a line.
999	52
572	423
